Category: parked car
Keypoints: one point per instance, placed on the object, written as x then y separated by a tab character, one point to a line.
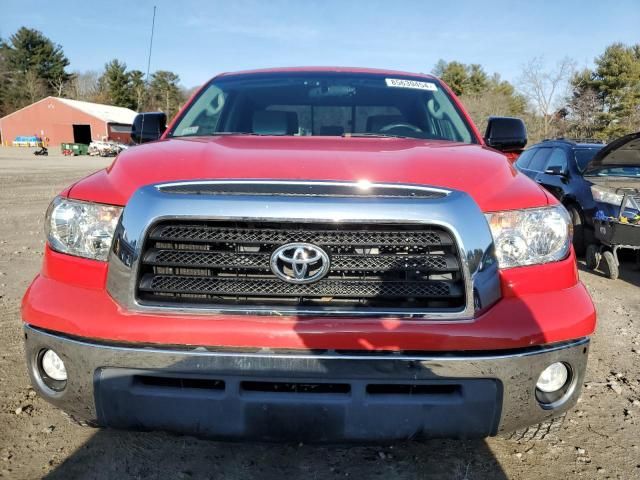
312	254
614	175
558	165
105	148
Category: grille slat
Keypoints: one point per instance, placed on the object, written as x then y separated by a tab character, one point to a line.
277	288
222	263
377	263
196	233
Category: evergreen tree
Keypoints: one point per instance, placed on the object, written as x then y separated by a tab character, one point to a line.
138	89
605	101
482	95
453	74
477	80
31	67
5	80
164	92
463	79
617	80
115	85
29	50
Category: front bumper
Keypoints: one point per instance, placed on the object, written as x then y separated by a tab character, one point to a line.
308	396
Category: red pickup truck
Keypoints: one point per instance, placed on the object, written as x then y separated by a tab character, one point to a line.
318	254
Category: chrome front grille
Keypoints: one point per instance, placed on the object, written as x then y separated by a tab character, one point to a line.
221	263
204	248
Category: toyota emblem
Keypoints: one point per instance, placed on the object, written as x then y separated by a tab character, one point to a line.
299	263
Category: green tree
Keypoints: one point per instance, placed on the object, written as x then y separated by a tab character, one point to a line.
138	89
5	80
453	74
605	101
31	67
516	103
165	93
477	80
29	50
482	95
115	85
616	78
463	79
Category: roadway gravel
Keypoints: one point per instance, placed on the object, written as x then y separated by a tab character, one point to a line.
600	439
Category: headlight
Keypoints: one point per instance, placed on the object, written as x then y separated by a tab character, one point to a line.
606	195
81	228
532	236
610	196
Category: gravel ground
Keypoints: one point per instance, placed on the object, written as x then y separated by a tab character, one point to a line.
601	438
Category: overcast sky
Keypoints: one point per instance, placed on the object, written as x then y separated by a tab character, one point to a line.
198	39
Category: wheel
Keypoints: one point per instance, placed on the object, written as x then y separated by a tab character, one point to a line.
579	244
611	270
542	431
593	256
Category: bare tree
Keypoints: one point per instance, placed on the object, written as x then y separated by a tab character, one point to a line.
544	88
584	114
59	85
84	86
34	87
482	106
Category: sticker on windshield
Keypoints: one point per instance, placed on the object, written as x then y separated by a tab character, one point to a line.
400	83
190	130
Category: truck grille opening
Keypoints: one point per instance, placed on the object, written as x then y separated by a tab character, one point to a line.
178	382
411	389
297	387
215	263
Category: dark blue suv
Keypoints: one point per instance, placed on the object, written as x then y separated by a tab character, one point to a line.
558	166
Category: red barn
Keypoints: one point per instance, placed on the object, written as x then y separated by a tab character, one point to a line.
63	120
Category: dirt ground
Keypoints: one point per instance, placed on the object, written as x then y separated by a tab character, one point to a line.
601	438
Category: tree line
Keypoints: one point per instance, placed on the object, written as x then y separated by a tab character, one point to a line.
602	102
33	67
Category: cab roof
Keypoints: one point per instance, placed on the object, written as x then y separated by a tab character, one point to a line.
374	71
579	143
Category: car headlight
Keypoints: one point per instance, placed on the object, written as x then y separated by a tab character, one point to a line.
606	195
531	236
81	228
612	197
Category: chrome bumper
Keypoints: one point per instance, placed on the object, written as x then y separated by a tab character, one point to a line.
92	367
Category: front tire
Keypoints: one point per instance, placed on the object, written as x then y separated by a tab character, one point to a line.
578	230
593	256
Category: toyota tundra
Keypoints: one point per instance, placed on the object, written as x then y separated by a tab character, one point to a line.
313	254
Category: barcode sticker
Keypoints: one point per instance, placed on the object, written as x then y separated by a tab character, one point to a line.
401	83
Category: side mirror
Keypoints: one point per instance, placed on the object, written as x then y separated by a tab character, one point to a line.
148	126
506	134
555	170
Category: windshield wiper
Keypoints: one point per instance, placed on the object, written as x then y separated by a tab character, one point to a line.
221	134
373	135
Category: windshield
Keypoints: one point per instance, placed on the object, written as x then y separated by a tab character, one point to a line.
324	104
584	156
626	172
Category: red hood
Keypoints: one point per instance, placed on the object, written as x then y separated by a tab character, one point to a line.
483	173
